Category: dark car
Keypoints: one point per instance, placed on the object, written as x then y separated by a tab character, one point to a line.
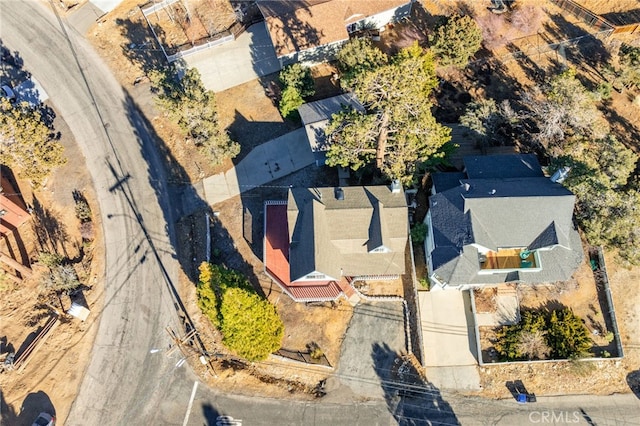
7	92
44	419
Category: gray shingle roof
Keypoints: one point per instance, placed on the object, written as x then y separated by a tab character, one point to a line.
315	117
448	180
323	109
519	211
334	236
502	166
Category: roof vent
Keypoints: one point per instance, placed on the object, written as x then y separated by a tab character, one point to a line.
339	194
467	187
493	191
561	174
395	187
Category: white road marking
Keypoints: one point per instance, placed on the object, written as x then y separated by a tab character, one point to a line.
193	395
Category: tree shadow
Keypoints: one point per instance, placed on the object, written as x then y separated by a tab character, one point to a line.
12	70
416	27
410	398
34	404
177	199
623	18
529	66
50	232
9	415
626	132
633	380
250	133
589	52
142	47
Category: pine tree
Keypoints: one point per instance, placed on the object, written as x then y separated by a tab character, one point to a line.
190	105
398	130
26	143
456	41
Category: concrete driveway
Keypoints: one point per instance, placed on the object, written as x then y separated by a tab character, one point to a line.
373	340
248	57
268	161
449	339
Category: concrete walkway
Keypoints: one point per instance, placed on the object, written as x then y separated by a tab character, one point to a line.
449	339
265	163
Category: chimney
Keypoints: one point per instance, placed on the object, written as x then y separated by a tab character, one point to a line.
396	188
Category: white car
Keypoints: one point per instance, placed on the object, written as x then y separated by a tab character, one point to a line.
7	92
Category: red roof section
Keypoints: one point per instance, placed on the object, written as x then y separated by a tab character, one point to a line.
276	259
14	212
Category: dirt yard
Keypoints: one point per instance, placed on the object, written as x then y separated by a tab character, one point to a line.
602	7
249	112
53	373
186	23
590	377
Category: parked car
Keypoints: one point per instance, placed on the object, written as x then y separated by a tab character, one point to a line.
44	419
7	92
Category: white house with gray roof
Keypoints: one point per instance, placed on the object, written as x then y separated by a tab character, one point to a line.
500	221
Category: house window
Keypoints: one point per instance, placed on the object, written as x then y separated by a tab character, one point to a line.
381	249
316	276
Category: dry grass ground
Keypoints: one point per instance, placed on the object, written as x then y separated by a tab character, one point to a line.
56	369
602	7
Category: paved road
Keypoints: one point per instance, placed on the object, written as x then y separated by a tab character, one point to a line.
125	383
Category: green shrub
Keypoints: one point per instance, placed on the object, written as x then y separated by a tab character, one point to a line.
249	324
419	233
567	335
424	282
83	211
512	339
290	102
315	352
538	335
604	90
50	259
609	337
297	83
298	77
